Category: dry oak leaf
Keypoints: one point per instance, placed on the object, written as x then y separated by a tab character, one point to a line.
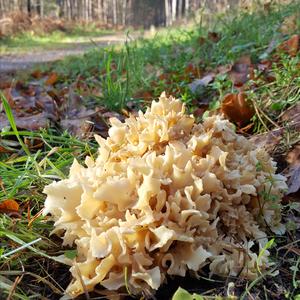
236	109
9	205
290	46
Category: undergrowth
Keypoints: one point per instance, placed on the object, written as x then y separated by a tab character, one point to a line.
135	73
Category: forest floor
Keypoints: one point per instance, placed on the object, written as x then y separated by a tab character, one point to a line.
245	66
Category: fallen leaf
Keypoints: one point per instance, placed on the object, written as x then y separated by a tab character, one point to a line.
294	180
268	140
52	79
213	36
145	95
289	24
192	70
9	205
203	82
224	69
290	46
292	116
293	157
236	109
271	47
4	84
241	71
293	172
201	40
77	127
199	112
33	122
37	74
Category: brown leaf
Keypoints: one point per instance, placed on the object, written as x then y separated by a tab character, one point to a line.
145	95
200	111
4	84
77	127
34	122
241	71
213	36
289	24
52	79
293	172
9	205
290	46
293	157
37	74
236	109
201	40
192	70
294	180
8	96
292	116
4	150
203	82
268	140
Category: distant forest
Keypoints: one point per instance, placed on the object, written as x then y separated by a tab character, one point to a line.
113	12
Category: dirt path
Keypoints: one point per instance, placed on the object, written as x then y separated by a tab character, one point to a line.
9	63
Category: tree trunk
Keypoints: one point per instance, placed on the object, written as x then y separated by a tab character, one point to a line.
187	8
105	12
1	9
174	6
168	13
90	10
115	8
29	7
180	8
124	12
99	10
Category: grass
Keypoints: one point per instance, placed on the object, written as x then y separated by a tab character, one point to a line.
31	41
116	77
158	64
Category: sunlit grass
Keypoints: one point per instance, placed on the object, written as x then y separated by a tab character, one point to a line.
29	41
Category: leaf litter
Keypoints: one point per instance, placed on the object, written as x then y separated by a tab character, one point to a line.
45	102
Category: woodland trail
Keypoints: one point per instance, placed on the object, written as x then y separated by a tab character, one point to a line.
16	62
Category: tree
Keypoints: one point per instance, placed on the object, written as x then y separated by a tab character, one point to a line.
187	8
124	9
115	8
174	7
29	7
168	13
116	12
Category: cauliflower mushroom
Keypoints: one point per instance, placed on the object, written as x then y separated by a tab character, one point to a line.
166	196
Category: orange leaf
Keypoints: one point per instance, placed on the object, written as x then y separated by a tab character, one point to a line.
290	46
52	79
191	69
37	74
236	109
4	150
9	205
